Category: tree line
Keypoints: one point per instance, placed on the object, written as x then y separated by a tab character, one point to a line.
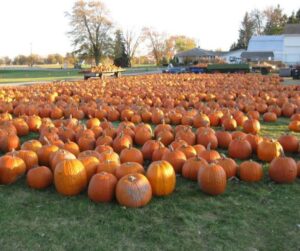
35	59
270	21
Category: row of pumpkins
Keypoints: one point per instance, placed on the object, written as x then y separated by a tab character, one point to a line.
115	168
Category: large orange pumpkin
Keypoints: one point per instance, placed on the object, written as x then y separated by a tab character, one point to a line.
134	190
70	177
250	171
102	187
268	149
162	178
283	170
212	179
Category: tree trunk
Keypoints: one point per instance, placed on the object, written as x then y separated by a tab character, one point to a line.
97	57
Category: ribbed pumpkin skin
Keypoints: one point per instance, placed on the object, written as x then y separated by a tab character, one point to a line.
107	166
267	150
102	187
32	145
239	149
39	177
70	177
229	166
29	157
129	168
176	158
212	179
44	154
191	167
162	178
10	169
134	190
298	168
283	170
250	171
290	143
90	163
131	154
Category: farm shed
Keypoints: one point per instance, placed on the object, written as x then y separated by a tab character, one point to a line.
195	55
286	47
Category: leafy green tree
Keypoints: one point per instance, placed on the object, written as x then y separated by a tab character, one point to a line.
120	56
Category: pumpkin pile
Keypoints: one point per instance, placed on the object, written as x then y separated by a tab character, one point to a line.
105	68
128	138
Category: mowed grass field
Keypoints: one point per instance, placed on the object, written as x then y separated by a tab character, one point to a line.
9	76
258	216
16	76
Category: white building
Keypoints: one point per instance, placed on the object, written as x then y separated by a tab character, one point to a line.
286	47
232	56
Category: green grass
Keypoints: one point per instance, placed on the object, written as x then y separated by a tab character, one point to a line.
258	216
15	76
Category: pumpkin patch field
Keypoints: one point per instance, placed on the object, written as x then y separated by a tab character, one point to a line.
155	162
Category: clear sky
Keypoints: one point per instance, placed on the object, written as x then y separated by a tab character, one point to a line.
213	23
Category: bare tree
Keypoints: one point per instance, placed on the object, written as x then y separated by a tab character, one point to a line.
91	28
132	40
157	43
258	17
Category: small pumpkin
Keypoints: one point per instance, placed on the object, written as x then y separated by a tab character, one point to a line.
39	177
191	167
268	149
129	168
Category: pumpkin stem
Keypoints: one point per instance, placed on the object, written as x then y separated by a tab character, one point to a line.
131	178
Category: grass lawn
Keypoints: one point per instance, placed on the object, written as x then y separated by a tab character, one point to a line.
40	75
259	216
15	76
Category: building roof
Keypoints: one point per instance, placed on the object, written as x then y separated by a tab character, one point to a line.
291	29
196	52
257	55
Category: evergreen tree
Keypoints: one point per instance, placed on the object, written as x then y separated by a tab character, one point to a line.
276	20
120	56
245	33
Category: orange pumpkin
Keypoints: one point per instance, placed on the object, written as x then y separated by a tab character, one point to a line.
102	187
39	177
268	149
250	171
134	190
11	168
212	179
162	178
70	177
283	170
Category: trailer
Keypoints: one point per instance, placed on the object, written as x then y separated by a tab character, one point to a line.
103	74
228	68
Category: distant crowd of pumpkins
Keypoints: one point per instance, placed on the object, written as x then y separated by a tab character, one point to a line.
128	138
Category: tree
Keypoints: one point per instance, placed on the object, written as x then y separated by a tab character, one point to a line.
275	20
157	43
21	60
70	58
258	21
5	61
91	28
294	18
120	56
132	40
178	43
245	33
